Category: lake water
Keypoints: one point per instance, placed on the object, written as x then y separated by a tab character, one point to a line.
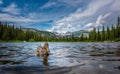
64	58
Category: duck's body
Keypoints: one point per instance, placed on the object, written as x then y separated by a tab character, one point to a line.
43	50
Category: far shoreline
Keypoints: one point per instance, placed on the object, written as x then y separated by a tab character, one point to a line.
56	41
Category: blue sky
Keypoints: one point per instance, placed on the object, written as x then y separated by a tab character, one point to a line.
60	15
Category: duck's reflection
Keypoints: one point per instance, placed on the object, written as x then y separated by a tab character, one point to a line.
45	58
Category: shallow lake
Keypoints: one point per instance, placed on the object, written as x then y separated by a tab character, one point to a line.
64	58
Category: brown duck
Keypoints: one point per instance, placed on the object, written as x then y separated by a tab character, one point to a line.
43	50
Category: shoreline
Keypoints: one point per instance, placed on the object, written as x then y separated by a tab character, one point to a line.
59	41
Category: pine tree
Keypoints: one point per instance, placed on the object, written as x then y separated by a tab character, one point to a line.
5	35
112	33
118	28
92	35
82	37
98	37
108	33
103	34
118	21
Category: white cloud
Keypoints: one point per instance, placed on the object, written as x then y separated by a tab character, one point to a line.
1	2
11	13
101	19
32	17
89	25
48	4
97	9
91	9
10	18
12	9
99	22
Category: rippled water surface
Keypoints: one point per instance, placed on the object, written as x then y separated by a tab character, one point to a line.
64	58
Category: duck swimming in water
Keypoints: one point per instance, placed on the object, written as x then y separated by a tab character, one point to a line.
43	50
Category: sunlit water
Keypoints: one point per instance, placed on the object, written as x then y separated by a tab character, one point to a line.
64	57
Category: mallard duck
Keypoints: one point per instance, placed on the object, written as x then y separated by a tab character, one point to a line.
43	50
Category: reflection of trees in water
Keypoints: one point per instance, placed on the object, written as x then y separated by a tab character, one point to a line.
45	58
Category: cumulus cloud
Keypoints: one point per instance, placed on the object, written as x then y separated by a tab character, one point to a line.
12	9
94	15
101	19
11	18
99	22
12	13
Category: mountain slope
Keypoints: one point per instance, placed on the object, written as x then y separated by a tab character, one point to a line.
42	33
54	34
80	32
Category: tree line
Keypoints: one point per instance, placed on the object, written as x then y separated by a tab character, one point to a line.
107	34
12	33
